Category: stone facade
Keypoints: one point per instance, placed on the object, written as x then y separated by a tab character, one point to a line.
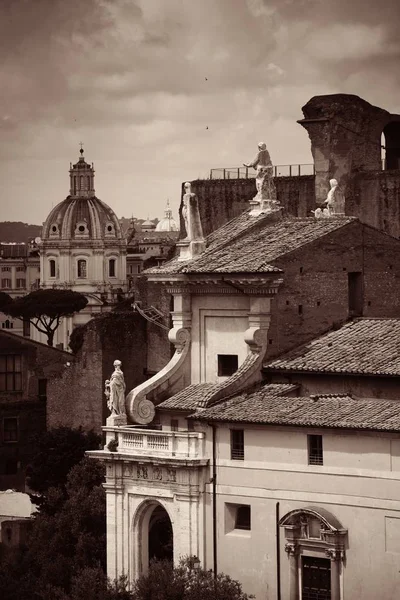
27	372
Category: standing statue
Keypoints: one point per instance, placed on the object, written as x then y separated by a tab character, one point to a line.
115	390
191	215
264	179
334	204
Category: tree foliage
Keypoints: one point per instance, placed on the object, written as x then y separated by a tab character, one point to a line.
58	451
5	300
45	309
184	582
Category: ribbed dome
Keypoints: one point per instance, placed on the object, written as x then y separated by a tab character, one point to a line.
81	218
167	224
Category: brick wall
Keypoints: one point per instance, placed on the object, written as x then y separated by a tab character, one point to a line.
374	197
220	200
316	279
77	397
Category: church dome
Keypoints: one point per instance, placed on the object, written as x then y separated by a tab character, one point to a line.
168	223
148	225
82	216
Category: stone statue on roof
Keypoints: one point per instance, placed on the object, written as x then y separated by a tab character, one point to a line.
115	391
194	243
266	192
334	204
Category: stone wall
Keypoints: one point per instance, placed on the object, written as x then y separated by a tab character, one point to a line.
374	197
77	397
314	295
220	200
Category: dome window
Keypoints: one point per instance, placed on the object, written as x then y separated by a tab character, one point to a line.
82	269
110	229
81	229
54	230
52	266
111	267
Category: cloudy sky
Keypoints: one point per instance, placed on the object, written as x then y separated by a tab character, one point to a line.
160	91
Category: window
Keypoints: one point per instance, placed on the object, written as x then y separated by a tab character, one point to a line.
10	429
7	324
26	328
21	283
42	389
10	373
190	425
111	267
52	264
20	269
82	269
174	424
315	450
237	444
6	283
6	269
356	300
227	364
300	309
243	517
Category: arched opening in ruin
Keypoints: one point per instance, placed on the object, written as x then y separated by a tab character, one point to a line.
391	143
153	536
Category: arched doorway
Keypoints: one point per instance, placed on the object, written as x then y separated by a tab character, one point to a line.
153	536
160	535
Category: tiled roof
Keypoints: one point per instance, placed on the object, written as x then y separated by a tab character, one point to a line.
367	346
192	396
188	398
328	411
251	244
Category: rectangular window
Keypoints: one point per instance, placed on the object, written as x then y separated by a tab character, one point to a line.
243	517
316	578
10	429
6	283
10	373
52	264
356	299
26	328
111	267
315	450
6	269
21	269
227	364
21	283
237	444
300	309
190	425
82	269
174	424
42	389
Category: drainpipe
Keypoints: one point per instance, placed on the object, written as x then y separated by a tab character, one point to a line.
278	555
214	496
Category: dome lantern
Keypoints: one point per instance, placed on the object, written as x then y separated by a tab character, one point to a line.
81	176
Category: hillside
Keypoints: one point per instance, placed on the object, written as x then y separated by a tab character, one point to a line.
16	231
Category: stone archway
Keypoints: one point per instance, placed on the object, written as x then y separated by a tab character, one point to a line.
153	536
315	542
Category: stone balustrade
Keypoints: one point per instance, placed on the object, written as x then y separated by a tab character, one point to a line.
153	443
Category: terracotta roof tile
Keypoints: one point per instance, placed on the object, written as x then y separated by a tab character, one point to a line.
328	411
251	244
365	346
192	396
188	398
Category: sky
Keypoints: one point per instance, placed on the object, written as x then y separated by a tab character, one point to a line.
162	91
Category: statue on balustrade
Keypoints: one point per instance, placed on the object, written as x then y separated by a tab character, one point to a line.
266	191
115	390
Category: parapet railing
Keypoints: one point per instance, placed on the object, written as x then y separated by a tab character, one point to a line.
167	444
249	172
